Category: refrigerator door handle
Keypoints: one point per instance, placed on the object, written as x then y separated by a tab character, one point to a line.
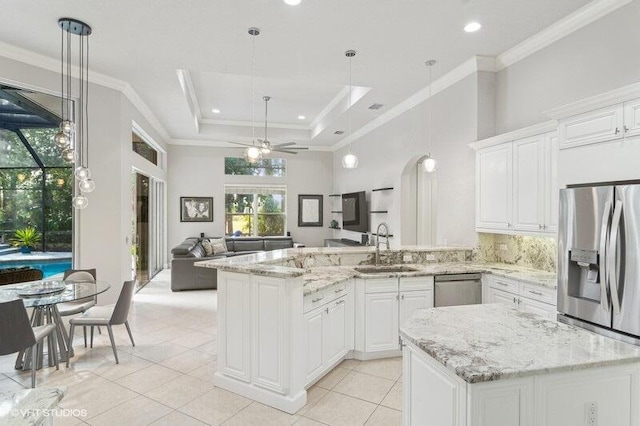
604	276
611	257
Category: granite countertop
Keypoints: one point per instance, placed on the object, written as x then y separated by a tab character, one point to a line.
316	279
482	343
28	407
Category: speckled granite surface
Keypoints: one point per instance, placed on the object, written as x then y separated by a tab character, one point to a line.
323	267
491	342
28	407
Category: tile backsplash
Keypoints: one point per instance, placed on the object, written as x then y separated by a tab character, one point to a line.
522	250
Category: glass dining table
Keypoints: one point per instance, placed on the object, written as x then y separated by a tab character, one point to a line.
43	296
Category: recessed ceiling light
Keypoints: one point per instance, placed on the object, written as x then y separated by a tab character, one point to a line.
302	117
472	27
292	2
215	111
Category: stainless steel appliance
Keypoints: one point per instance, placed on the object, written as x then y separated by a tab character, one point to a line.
457	289
599	259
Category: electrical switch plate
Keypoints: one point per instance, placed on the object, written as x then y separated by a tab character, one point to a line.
407	258
503	247
591	413
431	257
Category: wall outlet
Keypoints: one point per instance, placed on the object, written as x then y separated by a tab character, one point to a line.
431	257
407	258
502	247
591	413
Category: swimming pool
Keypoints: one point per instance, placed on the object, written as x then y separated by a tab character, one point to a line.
48	268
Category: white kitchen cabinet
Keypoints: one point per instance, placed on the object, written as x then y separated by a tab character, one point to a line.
632	118
528	184
313	337
494	192
382	305
525	296
531	179
381	322
412	300
601	125
327	336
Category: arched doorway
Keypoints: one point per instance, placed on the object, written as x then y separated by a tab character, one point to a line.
419	204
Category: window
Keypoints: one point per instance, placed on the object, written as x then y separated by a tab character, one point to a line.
266	167
255	210
143	149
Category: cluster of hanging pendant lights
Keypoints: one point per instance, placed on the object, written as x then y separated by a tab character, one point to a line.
73	136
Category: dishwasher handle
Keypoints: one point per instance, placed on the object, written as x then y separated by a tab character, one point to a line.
458	277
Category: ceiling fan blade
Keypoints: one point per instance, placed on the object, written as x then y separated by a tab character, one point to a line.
285	144
287	151
293	148
240	143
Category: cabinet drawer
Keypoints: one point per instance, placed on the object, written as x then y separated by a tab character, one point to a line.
381	285
313	300
536	292
416	283
505	284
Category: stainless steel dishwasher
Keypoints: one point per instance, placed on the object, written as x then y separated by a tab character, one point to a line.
458	289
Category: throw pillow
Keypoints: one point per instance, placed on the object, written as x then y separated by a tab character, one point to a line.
219	245
208	248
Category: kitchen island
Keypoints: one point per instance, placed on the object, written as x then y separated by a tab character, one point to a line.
286	318
495	365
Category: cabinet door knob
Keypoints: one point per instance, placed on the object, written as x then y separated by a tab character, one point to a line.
397	297
514	300
539	226
402	297
617	131
626	129
508	225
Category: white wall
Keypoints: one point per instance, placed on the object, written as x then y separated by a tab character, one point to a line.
102	229
597	58
385	153
199	171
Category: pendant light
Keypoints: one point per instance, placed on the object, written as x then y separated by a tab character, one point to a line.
253	153
430	164
350	161
73	138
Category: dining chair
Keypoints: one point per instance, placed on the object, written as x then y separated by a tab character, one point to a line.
107	316
81	305
17	334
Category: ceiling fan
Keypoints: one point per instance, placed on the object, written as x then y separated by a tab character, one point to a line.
264	145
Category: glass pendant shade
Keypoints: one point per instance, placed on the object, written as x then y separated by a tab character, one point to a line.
80	202
87	185
350	161
252	154
429	164
69	155
62	139
67	127
82	173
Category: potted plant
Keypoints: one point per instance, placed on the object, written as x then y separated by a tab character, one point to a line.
26	239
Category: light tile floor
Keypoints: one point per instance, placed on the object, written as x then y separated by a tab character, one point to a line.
167	378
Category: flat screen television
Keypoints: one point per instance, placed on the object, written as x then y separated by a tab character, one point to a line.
355	216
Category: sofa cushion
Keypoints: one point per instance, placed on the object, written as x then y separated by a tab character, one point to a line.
277	243
197	251
183	249
218	245
248	244
208	247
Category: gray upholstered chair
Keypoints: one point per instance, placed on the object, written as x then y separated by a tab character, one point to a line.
17	334
107	316
81	305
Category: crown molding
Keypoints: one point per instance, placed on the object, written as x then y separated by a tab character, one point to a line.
45	62
240	123
558	30
186	84
467	68
602	100
536	129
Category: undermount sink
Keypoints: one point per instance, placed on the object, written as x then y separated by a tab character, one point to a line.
384	269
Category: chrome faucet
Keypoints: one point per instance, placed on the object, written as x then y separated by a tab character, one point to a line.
378	235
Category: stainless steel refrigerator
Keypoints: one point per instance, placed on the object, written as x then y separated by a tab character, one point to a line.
599	259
